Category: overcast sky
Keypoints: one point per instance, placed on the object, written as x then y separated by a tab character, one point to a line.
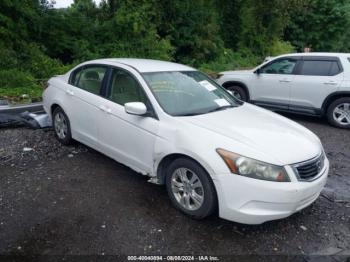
65	3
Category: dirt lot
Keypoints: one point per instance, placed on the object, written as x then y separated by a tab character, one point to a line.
73	200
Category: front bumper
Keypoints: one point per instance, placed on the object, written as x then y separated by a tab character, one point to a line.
251	201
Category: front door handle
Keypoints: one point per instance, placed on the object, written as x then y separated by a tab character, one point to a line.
285	80
69	92
105	109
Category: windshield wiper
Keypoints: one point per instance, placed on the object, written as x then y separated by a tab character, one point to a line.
201	113
220	108
190	114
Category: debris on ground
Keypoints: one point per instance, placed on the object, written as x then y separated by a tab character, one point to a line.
27	149
303	228
26	119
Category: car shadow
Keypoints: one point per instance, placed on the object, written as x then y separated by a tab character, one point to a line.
306	118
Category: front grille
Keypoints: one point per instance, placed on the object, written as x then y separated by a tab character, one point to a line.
308	170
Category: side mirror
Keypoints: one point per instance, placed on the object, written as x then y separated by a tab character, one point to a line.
257	71
135	108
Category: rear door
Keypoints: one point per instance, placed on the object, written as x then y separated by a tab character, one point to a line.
84	95
316	78
271	84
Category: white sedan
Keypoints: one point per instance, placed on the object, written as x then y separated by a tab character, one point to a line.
179	127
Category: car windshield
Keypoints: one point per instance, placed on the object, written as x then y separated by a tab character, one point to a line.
188	93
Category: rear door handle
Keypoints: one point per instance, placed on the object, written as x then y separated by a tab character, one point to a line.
69	92
332	83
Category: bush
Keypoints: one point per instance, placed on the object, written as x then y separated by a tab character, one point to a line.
40	65
8	58
245	58
281	47
229	60
15	83
13	78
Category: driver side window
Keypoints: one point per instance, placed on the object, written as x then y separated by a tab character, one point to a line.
281	66
124	88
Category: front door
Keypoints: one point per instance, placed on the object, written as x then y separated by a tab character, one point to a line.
127	138
271	85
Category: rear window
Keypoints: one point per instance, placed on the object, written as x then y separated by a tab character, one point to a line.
319	68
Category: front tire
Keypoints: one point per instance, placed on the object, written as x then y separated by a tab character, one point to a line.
238	92
338	113
190	188
61	126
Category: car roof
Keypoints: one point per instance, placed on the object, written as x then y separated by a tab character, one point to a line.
144	65
318	54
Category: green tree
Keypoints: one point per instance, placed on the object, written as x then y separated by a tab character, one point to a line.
263	23
132	32
193	29
230	21
322	25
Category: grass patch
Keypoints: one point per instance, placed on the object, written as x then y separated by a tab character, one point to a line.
21	94
19	87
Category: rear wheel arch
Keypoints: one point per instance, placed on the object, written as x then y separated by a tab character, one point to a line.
228	84
53	108
61	125
332	97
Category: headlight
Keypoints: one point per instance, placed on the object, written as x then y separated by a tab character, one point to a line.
217	76
248	167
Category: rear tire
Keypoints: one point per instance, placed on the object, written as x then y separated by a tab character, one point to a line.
190	188
61	126
238	92
338	113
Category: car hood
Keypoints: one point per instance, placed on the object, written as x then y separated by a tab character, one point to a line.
237	72
275	138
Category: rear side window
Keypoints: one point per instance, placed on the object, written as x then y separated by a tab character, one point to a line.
334	69
89	78
320	68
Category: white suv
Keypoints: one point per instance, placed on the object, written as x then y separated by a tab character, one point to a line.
305	83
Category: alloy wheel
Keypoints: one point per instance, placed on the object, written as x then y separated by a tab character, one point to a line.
61	126
187	189
341	114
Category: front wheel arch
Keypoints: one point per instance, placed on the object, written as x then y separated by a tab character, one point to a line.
167	159
211	204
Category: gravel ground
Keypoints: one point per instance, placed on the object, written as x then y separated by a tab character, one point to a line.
57	200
